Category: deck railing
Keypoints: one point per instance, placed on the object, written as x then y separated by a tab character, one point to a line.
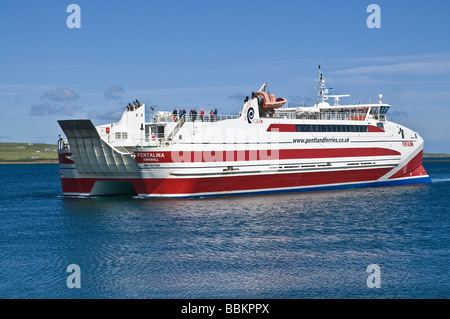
159	139
199	118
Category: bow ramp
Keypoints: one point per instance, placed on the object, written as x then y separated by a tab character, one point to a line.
89	155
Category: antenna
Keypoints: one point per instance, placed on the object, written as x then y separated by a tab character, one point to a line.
323	91
336	98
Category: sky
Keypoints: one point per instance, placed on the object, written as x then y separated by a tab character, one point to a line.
208	54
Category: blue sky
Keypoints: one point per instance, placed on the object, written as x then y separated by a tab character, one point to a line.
208	54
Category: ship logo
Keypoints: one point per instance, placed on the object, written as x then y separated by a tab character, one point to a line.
250	114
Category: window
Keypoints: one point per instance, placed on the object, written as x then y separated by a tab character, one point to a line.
302	128
384	109
331	128
118	135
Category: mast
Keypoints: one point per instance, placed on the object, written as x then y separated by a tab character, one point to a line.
323	91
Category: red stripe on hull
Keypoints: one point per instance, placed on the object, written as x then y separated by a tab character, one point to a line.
373	129
257	155
281	128
258	182
414	166
62	159
85	185
77	185
170	186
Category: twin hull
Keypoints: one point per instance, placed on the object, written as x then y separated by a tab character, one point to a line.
232	157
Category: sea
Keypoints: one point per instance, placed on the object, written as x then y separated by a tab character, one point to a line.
369	243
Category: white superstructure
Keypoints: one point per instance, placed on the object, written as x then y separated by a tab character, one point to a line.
266	148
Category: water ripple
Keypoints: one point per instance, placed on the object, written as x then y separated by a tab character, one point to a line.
307	245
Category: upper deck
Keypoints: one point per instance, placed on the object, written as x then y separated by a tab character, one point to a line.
163	128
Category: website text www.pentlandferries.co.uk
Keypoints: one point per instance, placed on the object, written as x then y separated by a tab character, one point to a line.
321	140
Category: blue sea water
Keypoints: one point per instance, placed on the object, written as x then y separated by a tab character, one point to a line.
286	246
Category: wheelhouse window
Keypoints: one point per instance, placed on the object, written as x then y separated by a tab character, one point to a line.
384	109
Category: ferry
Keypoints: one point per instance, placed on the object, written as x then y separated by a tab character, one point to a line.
267	148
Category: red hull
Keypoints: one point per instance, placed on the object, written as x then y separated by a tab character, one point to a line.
175	186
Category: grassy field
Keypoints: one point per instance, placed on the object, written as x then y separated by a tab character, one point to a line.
435	155
28	153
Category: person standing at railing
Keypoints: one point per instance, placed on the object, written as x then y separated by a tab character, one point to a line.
202	114
175	115
60	142
215	114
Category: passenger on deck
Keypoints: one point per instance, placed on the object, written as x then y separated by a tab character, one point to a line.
175	115
202	114
60	142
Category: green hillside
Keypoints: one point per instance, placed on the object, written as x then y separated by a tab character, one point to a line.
435	155
28	152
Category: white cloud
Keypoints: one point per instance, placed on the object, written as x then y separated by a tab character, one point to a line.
50	108
107	116
236	96
420	65
113	92
60	94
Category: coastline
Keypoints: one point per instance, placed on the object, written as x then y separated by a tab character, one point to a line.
426	157
431	157
34	162
28	153
22	153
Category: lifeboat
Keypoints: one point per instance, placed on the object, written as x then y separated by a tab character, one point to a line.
269	101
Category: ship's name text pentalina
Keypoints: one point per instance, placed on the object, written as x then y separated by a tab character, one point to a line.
152	155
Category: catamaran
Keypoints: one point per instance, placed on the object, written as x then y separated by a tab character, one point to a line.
266	148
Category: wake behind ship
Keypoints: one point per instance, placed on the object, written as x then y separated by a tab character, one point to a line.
267	148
